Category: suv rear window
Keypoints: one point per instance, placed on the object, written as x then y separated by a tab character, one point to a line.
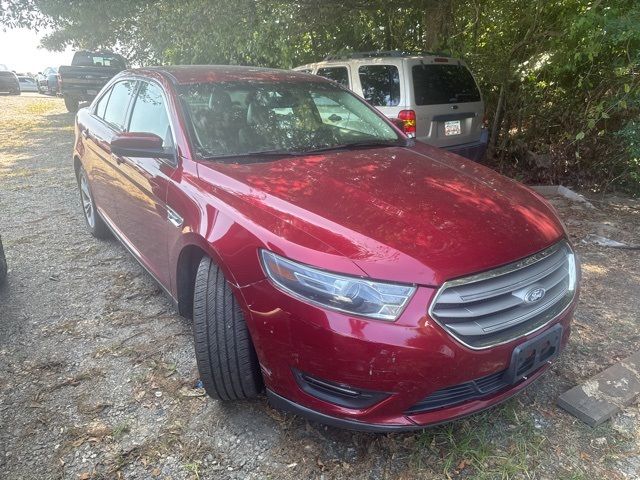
380	84
337	74
437	84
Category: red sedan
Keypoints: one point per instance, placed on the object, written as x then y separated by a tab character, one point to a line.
366	280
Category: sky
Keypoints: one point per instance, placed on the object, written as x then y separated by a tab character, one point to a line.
20	51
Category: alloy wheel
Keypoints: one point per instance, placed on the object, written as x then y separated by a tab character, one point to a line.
87	200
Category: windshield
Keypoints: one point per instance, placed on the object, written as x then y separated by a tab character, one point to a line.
242	118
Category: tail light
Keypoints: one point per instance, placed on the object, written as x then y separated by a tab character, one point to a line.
485	121
59	79
407	122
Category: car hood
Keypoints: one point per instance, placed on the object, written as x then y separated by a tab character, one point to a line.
416	215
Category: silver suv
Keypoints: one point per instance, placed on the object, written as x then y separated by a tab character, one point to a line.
432	98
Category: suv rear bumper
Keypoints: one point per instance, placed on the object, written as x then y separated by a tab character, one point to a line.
473	151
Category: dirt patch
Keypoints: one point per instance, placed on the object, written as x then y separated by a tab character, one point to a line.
98	377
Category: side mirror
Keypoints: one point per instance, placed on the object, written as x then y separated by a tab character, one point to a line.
140	144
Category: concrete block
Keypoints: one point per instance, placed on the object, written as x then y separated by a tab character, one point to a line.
606	394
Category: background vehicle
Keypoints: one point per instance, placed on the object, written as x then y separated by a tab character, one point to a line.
27	84
3	264
9	83
87	74
431	97
368	280
47	81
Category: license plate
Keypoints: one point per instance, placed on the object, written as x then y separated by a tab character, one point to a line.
92	92
452	127
529	356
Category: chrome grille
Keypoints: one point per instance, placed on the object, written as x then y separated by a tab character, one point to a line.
499	305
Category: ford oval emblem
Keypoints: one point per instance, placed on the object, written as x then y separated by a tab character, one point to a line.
534	295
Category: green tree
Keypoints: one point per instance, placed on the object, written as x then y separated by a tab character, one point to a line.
560	78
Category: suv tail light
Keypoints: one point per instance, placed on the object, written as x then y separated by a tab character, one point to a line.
407	122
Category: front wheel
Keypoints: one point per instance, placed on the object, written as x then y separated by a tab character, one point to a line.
71	104
226	358
96	225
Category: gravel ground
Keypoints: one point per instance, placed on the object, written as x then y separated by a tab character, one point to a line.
97	374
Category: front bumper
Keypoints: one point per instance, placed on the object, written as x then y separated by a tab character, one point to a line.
282	403
407	360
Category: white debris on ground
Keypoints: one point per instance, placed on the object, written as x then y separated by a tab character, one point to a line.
607	242
562	191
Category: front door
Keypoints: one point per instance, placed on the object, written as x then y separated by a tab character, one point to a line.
143	215
108	119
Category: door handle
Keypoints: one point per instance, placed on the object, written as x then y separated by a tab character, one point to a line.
85	133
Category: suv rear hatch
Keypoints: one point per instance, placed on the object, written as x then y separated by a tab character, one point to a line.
447	101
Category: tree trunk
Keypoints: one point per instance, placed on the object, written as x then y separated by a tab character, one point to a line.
497	119
436	19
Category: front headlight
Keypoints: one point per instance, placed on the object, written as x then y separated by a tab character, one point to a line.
382	301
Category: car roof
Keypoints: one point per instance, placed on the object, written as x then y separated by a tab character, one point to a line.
189	74
382	60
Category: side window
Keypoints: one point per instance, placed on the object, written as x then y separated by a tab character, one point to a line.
337	74
149	113
116	110
102	104
380	85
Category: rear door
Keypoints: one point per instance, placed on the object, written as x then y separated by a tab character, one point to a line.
143	215
449	108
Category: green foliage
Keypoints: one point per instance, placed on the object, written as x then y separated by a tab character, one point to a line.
561	78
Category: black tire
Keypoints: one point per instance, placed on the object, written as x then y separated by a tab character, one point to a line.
96	225
71	104
226	358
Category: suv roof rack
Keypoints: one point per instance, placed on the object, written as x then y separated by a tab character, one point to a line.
377	53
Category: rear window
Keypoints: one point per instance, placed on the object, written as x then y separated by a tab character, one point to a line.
437	84
337	74
87	59
380	84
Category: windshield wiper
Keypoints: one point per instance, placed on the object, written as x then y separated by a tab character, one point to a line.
297	153
364	144
259	153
